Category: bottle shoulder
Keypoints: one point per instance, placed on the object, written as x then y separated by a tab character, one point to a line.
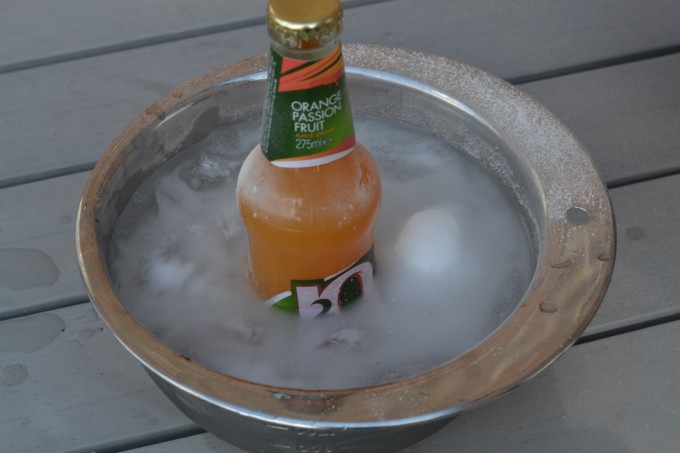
257	167
332	190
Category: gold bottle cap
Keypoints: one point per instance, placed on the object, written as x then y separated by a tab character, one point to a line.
304	24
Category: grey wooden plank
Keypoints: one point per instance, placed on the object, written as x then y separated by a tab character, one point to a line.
60	117
67	385
645	280
628	116
37	29
37	247
513	39
614	395
201	443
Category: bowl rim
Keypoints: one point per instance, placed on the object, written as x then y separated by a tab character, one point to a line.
573	268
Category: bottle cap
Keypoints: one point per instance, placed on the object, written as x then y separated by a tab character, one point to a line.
304	24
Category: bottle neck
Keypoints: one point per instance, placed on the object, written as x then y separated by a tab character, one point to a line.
314	52
307	118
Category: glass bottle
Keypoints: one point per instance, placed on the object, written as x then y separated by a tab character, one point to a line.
309	193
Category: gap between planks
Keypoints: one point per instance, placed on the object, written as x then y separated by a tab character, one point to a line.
633	324
142	441
152	41
597	64
46	174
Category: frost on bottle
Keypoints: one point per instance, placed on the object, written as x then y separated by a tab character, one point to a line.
309	194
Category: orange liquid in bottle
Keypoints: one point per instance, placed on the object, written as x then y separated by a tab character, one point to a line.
309	195
307	223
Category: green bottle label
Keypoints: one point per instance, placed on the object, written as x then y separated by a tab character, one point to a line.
307	118
330	295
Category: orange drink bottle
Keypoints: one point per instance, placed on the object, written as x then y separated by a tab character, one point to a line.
309	193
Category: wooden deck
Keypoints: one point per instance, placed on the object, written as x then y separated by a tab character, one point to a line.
73	73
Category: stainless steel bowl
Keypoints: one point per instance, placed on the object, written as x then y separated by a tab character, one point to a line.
541	163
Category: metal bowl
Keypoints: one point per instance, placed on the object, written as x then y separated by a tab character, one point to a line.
549	173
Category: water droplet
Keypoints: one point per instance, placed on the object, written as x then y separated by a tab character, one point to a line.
578	216
86	334
13	375
547	306
89	316
634	233
30	333
22	269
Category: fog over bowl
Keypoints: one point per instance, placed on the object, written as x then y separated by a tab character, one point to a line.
532	154
453	259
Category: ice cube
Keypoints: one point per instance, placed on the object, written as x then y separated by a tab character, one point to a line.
210	171
166	270
245	331
231	227
169	275
347	338
430	242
